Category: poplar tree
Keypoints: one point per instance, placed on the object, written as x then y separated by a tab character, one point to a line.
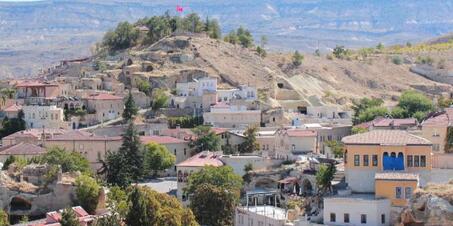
130	109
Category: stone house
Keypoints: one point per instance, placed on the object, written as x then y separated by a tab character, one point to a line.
104	107
226	116
23	150
41	116
93	147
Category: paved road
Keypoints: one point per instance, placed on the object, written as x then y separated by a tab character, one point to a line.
113	121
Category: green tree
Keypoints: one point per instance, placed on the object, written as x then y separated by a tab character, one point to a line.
363	104
10	126
143	86
69	218
213	28
398	112
420	116
157	158
324	177
70	161
213	205
108	220
297	58
250	143
193	23
130	109
223	177
443	102
245	37
132	153
124	36
117	201
160	99
206	139
340	52
232	38
412	101
138	213
371	113
87	191
3	218
336	148
160	27
261	52
116	174
10	160
380	47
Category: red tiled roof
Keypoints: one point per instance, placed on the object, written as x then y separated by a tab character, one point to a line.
22	149
161	140
386	122
13	108
395	176
35	133
300	133
386	137
185	134
104	96
202	159
219	130
443	119
34	84
81	135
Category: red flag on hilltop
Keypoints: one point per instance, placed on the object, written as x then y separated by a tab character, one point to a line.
179	9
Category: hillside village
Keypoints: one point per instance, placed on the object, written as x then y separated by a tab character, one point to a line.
184	128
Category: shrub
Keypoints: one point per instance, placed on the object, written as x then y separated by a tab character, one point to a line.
397	60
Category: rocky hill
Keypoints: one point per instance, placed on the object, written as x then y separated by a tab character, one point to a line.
319	80
37	33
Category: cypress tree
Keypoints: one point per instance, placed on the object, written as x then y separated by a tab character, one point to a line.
131	153
137	214
130	109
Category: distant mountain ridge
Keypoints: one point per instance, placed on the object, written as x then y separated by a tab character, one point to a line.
40	33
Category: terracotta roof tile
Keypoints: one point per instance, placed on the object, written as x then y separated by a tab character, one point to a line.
442	119
22	149
81	135
13	108
202	159
386	137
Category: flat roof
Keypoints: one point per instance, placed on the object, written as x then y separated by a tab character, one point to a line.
268	211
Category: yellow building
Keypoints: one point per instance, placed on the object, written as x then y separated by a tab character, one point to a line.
398	187
390	151
435	130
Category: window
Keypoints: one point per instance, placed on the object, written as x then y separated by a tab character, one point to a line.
416	161
410	161
346	218
382	218
332	217
407	192
175	151
398	192
356	160
365	160
363	218
375	160
436	147
422	161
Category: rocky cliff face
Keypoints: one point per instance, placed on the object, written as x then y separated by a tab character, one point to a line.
432	205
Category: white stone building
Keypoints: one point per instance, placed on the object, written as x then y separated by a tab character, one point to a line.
37	116
196	87
243	92
230	116
362	209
